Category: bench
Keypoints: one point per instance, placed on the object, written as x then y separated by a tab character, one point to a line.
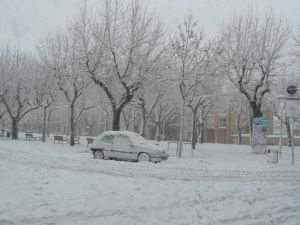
60	139
89	141
29	137
76	140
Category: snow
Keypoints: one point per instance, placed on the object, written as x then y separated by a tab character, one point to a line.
221	184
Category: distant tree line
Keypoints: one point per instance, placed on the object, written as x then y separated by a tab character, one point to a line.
121	61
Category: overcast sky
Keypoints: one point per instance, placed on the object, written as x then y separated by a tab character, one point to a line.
25	22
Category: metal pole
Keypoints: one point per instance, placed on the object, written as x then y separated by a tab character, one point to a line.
280	138
293	143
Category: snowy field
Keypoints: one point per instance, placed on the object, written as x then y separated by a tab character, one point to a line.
54	184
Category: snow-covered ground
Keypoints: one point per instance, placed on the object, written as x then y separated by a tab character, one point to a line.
221	184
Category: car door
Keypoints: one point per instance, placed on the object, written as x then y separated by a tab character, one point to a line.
123	148
107	142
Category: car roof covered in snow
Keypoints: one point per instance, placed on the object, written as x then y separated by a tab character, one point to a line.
125	132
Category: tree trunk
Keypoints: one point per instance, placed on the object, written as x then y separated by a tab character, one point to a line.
116	119
250	129
126	120
163	128
106	121
127	125
194	129
72	126
201	128
144	125
179	145
44	124
157	136
239	130
135	125
288	131
48	122
239	141
201	132
14	128
256	109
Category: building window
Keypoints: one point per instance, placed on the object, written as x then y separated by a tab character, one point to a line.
222	122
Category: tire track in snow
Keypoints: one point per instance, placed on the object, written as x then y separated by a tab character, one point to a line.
158	171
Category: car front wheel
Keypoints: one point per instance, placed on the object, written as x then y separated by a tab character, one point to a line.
143	157
98	154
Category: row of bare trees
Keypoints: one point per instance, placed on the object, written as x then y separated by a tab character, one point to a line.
120	58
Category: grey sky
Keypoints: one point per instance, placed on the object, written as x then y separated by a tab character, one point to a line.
23	23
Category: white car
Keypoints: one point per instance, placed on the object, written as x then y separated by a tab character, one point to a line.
125	145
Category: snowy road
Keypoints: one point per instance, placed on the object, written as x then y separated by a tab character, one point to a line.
222	184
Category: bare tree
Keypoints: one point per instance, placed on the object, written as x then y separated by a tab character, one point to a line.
241	112
90	121
59	53
208	87
46	94
137	119
253	52
17	71
127	116
120	48
164	114
276	108
198	102
190	55
204	109
148	98
2	112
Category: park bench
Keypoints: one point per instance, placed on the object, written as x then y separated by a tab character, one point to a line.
89	141
76	140
29	137
60	139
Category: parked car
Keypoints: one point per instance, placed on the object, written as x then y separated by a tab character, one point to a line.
125	145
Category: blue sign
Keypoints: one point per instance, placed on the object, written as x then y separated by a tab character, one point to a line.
260	121
291	90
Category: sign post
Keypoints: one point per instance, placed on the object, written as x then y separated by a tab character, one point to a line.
291	110
281	125
259	136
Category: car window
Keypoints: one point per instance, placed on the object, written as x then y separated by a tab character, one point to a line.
122	140
138	139
108	139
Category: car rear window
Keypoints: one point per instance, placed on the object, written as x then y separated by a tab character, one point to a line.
108	138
